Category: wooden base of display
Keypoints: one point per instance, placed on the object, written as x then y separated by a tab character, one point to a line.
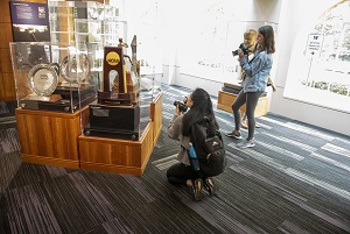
53	138
115	155
225	101
48	137
122	156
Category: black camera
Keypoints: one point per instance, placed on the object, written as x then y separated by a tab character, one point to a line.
243	48
182	106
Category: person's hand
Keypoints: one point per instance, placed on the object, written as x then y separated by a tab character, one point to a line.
241	53
177	110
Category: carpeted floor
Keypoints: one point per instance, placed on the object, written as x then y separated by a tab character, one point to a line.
10	158
296	180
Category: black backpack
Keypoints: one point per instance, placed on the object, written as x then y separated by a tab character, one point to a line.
209	146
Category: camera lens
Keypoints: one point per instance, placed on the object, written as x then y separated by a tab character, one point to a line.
235	53
182	106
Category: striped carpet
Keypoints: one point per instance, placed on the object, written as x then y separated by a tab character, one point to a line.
10	158
295	180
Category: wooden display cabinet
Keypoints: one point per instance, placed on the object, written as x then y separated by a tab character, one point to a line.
54	138
115	155
122	156
225	101
49	138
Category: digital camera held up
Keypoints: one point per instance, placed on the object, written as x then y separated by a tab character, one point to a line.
243	48
182	106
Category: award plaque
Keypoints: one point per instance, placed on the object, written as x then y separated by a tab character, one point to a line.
120	122
42	79
74	71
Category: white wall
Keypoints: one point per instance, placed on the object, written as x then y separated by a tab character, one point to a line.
290	15
179	27
294	15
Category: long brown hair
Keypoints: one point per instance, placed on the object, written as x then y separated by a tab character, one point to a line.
269	35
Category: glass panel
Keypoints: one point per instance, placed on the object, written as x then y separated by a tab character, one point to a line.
118	111
46	76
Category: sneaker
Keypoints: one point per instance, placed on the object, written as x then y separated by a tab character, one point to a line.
197	189
233	135
246	144
211	186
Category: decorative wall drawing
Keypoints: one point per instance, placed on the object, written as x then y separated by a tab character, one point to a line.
206	38
323	78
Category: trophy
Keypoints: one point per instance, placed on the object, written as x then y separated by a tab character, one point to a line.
132	76
74	71
42	81
117	113
136	64
114	78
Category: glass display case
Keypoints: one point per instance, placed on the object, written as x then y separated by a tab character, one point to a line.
122	107
63	14
51	77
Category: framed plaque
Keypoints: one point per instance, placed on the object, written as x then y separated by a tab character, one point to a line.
42	79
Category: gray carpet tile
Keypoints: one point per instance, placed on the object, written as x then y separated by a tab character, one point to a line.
10	157
295	180
9	140
7	108
3	108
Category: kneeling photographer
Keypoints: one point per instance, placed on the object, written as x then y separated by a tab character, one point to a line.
184	172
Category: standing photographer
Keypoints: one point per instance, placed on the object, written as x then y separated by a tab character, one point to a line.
254	83
248	45
183	173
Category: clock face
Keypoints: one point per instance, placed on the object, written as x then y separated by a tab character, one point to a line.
42	79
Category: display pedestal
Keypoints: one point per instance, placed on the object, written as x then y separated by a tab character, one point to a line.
115	155
48	137
122	156
225	101
55	139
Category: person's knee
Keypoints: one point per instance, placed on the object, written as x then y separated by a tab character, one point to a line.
171	172
235	108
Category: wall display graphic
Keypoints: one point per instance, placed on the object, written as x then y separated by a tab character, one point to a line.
30	21
319	67
208	30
